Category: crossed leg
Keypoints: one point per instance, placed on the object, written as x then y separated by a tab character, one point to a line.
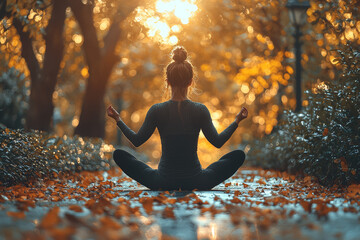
213	175
137	170
221	170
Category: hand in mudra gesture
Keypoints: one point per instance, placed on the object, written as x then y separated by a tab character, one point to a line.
111	112
242	114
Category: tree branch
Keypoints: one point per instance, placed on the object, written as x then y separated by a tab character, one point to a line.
112	37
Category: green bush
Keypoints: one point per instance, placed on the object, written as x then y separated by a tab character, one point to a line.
29	155
323	139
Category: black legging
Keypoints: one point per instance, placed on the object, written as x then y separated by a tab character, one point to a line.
208	178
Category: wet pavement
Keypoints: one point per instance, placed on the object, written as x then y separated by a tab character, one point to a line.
253	204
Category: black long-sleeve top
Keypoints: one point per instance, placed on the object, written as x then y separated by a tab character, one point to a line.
179	124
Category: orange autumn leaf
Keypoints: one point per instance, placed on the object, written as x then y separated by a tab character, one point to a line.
122	210
135	194
75	208
261	181
100	206
147	204
17	215
236	200
56	198
108	222
168	213
211	209
171	200
350	209
353	190
111	195
310	195
307	179
198	201
121	199
227	184
51	219
325	132
337	160
90	203
62	233
344	166
322	209
23	205
265	223
306	205
292	178
237	193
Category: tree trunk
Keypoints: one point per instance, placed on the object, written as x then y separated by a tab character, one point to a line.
43	80
101	62
92	120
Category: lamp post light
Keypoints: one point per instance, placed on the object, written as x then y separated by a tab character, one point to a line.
297	14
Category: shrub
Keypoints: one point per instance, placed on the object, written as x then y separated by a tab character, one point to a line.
323	139
28	155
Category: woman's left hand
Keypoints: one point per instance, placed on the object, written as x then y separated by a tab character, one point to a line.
242	114
111	112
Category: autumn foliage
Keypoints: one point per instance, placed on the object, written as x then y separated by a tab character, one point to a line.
323	139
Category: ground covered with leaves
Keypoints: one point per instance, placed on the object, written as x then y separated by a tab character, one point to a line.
253	204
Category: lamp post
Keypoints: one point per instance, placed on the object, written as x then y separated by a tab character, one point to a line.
297	14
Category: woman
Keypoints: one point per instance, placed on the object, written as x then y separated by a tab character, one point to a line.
179	122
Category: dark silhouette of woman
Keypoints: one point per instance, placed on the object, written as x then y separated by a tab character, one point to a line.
179	122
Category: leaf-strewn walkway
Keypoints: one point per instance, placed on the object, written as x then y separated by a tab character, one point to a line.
254	204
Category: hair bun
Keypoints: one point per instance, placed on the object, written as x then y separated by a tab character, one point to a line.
179	54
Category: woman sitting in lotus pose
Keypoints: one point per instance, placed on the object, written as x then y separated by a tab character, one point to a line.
179	122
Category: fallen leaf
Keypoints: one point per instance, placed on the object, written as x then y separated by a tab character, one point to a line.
75	208
325	132
306	205
16	215
353	190
147	204
168	213
261	181
62	233
51	219
344	166
108	222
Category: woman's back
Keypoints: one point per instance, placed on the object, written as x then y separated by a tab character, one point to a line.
179	125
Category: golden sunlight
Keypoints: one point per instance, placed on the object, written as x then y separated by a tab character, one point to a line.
181	9
158	21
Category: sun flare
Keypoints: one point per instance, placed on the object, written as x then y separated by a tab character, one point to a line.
181	9
160	21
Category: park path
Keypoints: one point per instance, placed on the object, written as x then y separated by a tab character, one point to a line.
253	204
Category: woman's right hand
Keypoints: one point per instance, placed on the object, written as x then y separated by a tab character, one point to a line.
241	115
111	112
